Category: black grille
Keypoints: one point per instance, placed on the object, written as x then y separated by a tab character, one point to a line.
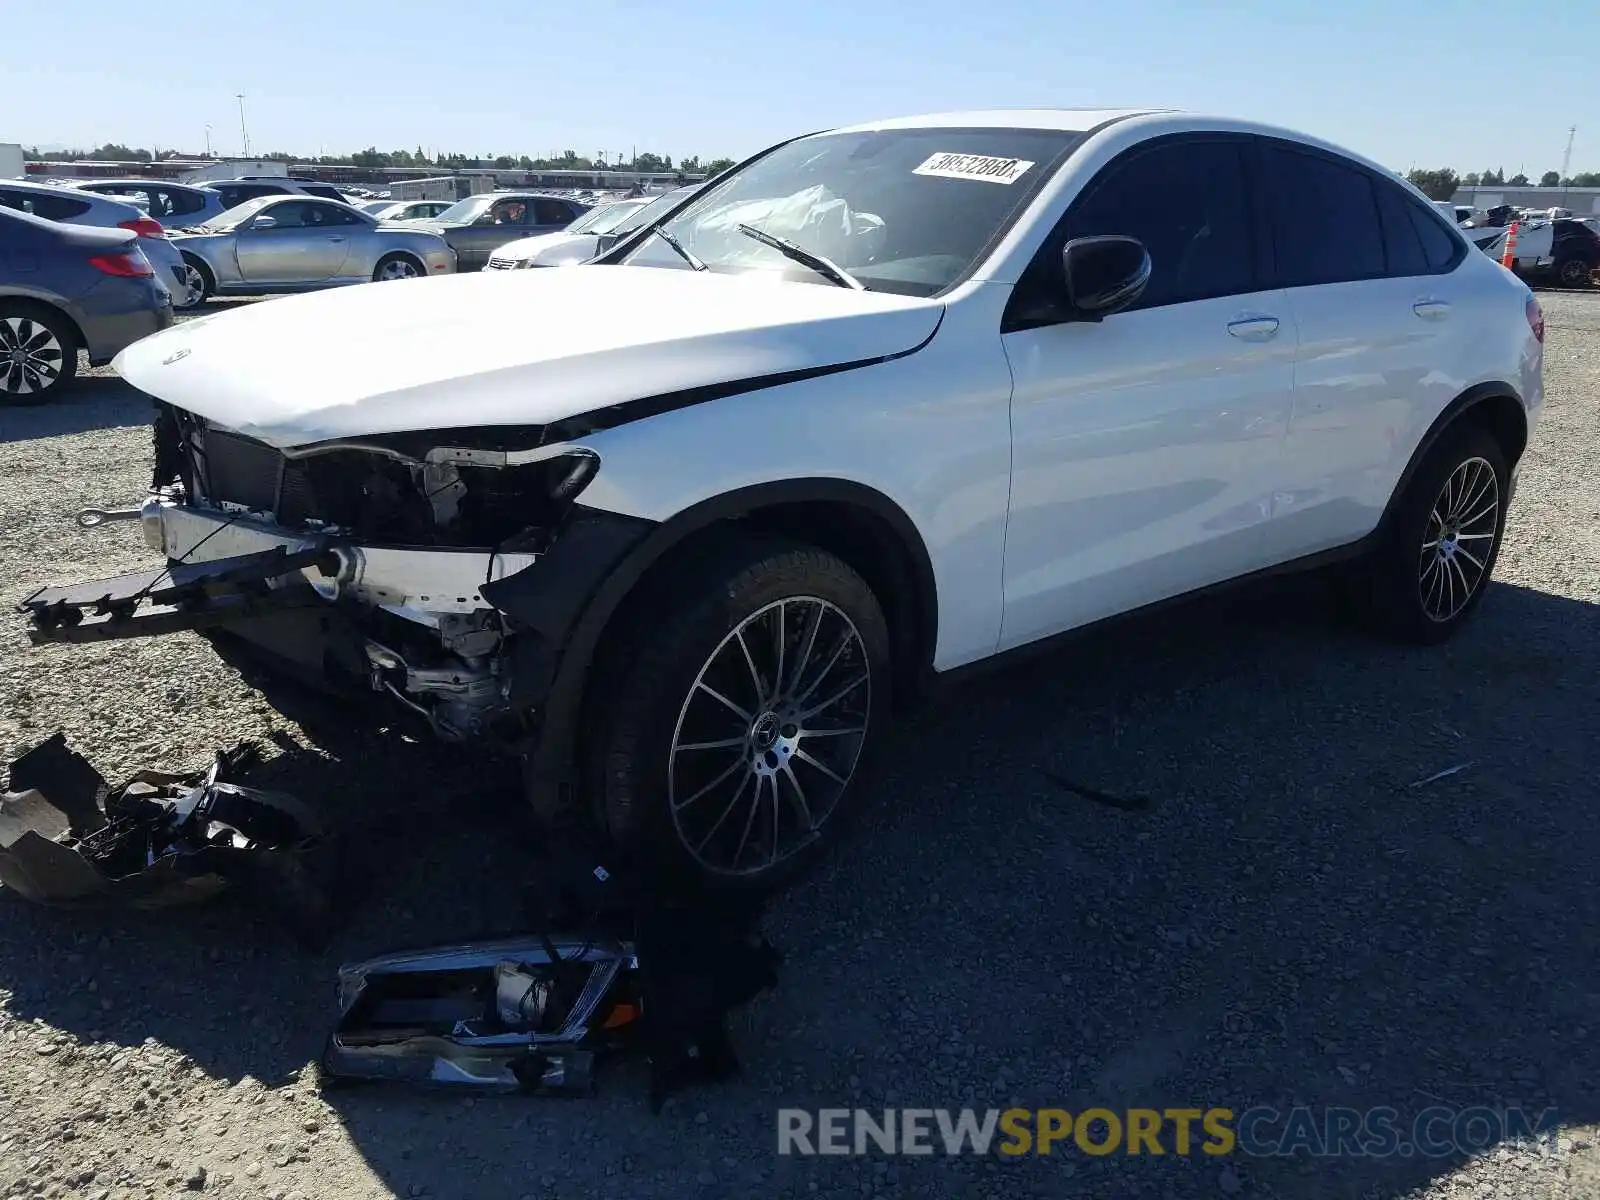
239	471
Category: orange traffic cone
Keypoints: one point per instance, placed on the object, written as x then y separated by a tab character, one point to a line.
1508	259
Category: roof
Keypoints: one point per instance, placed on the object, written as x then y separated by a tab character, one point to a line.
1070	119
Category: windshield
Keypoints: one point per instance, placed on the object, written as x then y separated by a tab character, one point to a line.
652	211
902	210
606	218
239	214
468	210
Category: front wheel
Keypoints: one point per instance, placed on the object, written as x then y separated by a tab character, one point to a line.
733	729
195	289
1434	561
396	266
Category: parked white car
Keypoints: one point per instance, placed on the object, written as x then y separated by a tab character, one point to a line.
685	525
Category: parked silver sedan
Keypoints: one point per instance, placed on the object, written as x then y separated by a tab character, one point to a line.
300	244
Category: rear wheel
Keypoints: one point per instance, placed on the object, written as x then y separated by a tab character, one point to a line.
396	266
1434	562
1574	272
38	354
732	731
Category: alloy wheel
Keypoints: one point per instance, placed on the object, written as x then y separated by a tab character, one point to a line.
194	287
769	736
31	356
1462	527
398	268
1574	272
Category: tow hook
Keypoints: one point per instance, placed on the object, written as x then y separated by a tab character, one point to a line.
90	517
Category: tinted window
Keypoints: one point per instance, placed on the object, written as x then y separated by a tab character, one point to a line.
551	212
181	203
334	213
1325	219
1402	240
41	204
1441	249
1187	202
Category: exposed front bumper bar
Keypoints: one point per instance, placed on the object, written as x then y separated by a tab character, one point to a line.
227	566
425	578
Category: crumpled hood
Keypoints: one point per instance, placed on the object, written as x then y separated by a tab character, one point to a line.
505	347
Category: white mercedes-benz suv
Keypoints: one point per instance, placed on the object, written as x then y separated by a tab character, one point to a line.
683	526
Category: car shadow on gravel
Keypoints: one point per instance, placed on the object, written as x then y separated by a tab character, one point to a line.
1189	863
91	402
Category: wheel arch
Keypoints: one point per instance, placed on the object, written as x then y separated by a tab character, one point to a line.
1493	405
27	299
859	524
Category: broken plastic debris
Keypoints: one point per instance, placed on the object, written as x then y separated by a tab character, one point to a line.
631	971
67	839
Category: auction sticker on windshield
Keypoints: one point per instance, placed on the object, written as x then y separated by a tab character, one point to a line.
975	166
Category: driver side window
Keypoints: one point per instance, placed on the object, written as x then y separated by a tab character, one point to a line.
1187	201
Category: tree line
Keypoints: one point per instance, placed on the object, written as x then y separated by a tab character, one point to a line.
372	159
1440	183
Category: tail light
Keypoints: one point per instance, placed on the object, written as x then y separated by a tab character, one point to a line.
126	263
1535	316
144	227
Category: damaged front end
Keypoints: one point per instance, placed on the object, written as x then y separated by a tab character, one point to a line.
398	564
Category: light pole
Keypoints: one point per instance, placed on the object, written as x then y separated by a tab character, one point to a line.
208	141
244	134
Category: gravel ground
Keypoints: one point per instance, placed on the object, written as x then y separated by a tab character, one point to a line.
1288	921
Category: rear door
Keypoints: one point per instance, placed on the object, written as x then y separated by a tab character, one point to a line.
1369	273
1146	446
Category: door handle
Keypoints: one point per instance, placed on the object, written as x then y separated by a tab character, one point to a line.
1431	310
336	239
1253	328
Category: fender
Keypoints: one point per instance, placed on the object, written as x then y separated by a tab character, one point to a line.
1475	396
615	555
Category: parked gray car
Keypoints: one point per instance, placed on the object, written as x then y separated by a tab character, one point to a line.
77	207
479	225
66	288
301	244
410	210
173	204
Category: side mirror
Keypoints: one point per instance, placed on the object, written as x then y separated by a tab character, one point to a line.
264	223
1104	274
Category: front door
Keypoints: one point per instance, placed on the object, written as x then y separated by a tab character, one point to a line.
1146	445
295	246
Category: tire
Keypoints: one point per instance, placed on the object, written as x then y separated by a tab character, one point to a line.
201	284
397	266
750	812
38	353
1421	584
1573	272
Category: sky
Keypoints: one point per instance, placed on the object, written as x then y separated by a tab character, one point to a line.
1428	83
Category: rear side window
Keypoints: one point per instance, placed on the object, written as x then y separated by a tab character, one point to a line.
1324	218
1443	251
1402	239
182	203
1188	203
52	208
551	212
